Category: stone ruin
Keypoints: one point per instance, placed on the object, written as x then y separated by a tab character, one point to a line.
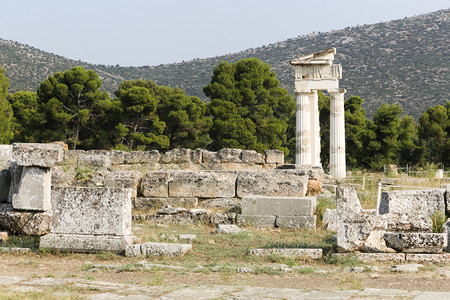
47	197
401	229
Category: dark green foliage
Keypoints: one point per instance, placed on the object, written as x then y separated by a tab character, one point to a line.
72	104
324	119
434	131
355	124
6	112
159	117
25	106
249	109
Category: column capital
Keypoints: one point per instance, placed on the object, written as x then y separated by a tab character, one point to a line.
337	91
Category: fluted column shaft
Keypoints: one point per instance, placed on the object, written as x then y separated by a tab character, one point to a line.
337	134
315	129
303	128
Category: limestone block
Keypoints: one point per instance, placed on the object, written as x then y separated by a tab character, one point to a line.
117	157
232	167
85	242
142	203
176	156
278	206
433	258
416	242
188	238
271	183
142	157
296	222
218	218
408	223
170	210
257	221
164	249
37	155
61	178
227	155
274	156
202	185
6	153
413	202
374	257
197	156
5	182
228	229
221	203
252	157
302	253
34	190
123	179
94	162
156	184
329	220
446	230
209	157
24	222
92	211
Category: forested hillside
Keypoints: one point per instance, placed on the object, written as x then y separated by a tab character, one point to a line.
404	61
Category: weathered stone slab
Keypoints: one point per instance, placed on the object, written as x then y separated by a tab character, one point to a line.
6	153
416	242
256	221
5	182
446	230
357	230
85	243
278	206
296	222
197	156
434	258
271	183
410	268
228	229
202	185
176	156
94	162
252	157
61	178
221	203
156	184
142	203
227	155
157	249
414	202
408	223
123	179
374	257
94	211
24	222
329	220
210	157
34	190
117	157
302	253
37	155
187	238
274	156
142	157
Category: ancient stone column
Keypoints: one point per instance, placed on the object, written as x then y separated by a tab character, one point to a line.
303	128
315	129
337	134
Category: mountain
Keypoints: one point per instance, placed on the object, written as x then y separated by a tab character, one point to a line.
403	61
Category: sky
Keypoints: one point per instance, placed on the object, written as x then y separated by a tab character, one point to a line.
151	32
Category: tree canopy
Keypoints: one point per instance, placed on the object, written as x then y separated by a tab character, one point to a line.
249	108
6	113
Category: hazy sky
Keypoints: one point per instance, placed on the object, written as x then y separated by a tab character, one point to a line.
151	32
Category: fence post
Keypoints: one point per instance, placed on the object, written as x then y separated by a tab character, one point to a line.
364	182
378	198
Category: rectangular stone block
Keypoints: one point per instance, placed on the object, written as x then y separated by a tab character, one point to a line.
142	157
124	179
302	253
156	184
252	157
416	242
176	156
271	183
433	258
278	206
374	257
202	185
6	153
91	211
297	222
141	203
274	156
413	202
85	243
37	155
34	190
256	221
93	162
157	249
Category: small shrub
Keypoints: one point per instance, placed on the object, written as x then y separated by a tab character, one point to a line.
322	204
438	219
